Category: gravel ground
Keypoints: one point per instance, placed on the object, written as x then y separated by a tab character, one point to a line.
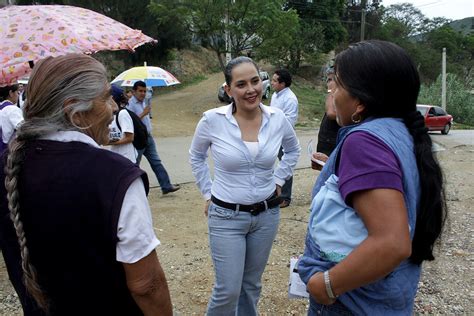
446	286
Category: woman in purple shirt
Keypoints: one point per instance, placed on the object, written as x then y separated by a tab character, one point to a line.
378	203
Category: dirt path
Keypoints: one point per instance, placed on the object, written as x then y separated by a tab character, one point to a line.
447	283
177	113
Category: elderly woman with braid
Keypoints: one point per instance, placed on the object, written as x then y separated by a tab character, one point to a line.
379	204
80	213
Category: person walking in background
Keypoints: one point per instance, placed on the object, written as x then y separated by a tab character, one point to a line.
121	139
10	114
242	202
379	204
80	213
328	129
138	106
284	99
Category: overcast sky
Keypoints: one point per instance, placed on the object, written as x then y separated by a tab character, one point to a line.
451	9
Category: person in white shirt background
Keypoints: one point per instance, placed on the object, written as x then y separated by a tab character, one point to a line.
10	115
121	139
284	99
242	201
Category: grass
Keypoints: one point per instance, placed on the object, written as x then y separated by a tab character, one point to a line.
457	125
184	83
311	101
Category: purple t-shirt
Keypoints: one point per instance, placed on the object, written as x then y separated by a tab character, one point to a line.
366	162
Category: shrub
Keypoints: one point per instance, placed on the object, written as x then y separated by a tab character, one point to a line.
459	100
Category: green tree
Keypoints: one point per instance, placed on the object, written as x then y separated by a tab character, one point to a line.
459	102
319	30
250	24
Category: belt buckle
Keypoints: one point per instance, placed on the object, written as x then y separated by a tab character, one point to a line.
257	208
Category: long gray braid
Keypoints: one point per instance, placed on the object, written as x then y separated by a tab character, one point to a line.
59	89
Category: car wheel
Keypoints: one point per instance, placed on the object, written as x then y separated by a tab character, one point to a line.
267	94
446	129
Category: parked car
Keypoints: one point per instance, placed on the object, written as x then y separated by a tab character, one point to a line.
436	119
224	97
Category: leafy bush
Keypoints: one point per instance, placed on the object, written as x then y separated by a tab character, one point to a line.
459	100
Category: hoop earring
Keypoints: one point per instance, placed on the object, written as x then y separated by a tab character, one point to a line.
356	121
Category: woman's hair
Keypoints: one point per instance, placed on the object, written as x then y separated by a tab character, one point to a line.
5	91
234	63
58	89
384	78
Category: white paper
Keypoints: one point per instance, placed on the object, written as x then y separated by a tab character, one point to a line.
296	287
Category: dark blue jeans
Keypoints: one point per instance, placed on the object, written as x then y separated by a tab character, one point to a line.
155	163
286	189
336	309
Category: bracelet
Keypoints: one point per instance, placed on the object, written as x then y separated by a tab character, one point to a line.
327	282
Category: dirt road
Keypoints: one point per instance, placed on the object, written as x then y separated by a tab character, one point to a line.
447	283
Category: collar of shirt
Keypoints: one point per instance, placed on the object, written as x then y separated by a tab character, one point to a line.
135	101
227	111
71	136
282	92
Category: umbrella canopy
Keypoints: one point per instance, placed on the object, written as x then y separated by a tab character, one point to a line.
32	32
153	77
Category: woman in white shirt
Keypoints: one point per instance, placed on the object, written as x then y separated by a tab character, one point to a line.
242	201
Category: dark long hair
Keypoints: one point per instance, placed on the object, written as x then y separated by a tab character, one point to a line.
384	78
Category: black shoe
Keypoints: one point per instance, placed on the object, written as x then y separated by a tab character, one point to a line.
173	188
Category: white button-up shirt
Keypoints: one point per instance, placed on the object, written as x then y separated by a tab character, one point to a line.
286	101
138	107
239	178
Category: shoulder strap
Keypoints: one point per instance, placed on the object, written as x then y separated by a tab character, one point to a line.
116	119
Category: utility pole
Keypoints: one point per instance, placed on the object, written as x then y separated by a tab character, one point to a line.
363	4
228	43
443	80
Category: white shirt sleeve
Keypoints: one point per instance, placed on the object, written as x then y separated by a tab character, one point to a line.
11	117
198	155
126	122
135	228
291	110
291	153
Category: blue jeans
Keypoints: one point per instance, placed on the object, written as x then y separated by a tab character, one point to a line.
240	246
286	189
336	309
155	163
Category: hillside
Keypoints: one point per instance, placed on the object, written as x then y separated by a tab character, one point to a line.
466	25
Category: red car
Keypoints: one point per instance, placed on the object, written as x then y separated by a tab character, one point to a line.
436	119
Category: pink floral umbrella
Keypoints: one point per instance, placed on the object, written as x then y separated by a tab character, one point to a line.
30	33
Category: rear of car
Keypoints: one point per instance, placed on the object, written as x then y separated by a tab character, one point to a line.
436	119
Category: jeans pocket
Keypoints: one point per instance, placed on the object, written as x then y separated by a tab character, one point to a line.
275	210
219	212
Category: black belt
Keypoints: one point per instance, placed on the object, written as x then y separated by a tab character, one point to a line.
253	209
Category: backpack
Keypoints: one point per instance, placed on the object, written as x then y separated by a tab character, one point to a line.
140	134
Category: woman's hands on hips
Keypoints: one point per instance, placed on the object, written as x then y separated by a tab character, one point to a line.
278	189
317	289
